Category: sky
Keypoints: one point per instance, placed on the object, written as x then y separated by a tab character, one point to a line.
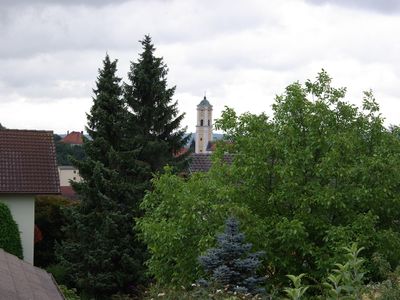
241	53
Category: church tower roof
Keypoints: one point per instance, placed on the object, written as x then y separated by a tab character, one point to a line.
204	103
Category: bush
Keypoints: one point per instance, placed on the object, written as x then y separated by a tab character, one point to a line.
49	219
10	239
69	294
59	273
197	292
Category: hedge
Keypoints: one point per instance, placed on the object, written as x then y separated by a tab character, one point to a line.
10	240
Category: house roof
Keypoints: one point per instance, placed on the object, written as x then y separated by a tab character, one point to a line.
20	280
68	192
201	162
73	138
28	162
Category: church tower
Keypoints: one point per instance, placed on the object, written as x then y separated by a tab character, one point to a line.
204	125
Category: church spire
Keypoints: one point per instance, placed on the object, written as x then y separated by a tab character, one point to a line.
204	133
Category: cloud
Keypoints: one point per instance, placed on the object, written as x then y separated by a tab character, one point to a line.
12	3
242	53
381	6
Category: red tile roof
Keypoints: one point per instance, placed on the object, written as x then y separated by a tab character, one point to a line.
181	151
28	162
20	280
73	138
68	192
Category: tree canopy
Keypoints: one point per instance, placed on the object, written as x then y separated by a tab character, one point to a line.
315	176
102	254
155	120
134	131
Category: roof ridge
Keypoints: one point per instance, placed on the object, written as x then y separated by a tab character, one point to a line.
28	130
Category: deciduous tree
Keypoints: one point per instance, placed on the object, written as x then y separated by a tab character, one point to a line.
315	176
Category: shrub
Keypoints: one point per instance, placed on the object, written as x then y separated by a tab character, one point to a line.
69	294
346	281
10	239
49	219
59	273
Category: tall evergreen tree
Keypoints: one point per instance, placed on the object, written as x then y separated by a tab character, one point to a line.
155	120
102	255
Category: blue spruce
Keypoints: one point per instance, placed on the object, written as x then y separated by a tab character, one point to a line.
230	264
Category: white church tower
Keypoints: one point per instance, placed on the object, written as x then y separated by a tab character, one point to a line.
204	125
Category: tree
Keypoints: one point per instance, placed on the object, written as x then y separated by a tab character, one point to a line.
182	217
154	121
10	240
102	254
315	176
66	153
322	173
230	265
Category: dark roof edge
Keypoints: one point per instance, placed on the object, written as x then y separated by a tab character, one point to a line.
29	130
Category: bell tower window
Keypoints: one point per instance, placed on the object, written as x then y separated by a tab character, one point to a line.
201	122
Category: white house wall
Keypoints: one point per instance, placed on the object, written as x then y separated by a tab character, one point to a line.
68	173
22	208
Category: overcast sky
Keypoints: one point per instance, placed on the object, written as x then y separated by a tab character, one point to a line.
241	52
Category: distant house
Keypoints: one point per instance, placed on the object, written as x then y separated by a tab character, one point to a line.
27	167
67	174
73	138
20	280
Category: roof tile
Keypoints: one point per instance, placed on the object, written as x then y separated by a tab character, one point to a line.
201	162
28	162
73	138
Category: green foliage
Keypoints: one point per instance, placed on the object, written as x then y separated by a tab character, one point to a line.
101	254
317	175
69	294
346	281
155	120
196	292
182	217
389	289
230	265
133	132
298	290
60	274
10	240
49	219
66	153
321	173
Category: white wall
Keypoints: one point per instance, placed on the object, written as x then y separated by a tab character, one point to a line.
67	174
22	208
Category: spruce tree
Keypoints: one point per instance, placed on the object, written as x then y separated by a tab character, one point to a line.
230	265
102	254
155	120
